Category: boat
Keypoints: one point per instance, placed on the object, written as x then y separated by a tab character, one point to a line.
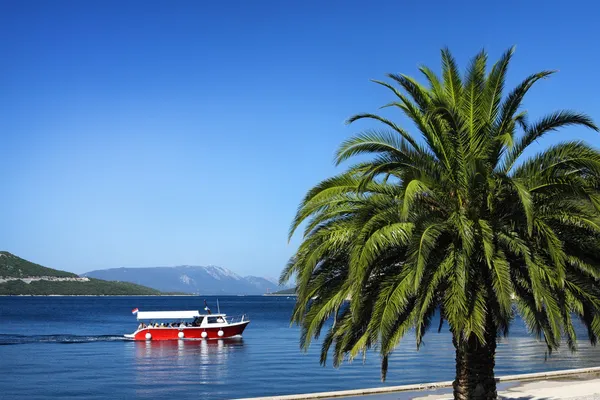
186	325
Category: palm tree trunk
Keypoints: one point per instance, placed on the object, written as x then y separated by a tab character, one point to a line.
475	368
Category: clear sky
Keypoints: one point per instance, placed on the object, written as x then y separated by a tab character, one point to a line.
157	133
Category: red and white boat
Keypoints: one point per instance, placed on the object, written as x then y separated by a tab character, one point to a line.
176	325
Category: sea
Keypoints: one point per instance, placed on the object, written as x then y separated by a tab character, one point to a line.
73	347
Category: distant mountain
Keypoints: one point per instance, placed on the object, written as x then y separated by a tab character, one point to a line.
21	277
209	280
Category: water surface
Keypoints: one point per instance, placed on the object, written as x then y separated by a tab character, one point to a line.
67	347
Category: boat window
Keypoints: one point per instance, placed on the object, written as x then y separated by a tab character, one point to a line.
215	320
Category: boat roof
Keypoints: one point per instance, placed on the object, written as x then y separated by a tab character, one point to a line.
173	315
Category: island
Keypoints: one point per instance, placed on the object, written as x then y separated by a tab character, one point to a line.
284	292
19	277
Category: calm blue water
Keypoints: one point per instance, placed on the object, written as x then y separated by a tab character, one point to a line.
67	347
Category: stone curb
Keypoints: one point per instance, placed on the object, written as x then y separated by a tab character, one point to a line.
426	386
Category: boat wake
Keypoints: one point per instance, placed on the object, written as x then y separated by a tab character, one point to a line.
7	339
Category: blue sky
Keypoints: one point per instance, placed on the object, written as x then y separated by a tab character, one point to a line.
165	133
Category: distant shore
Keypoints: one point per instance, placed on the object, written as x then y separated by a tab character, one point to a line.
280	295
98	295
130	295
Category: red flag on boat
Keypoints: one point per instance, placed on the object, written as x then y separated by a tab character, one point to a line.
134	311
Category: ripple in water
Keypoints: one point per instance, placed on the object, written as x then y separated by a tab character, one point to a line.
7	339
266	361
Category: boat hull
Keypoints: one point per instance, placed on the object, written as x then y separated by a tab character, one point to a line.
195	332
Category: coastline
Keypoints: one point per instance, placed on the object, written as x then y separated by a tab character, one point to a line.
589	376
99	295
278	295
127	295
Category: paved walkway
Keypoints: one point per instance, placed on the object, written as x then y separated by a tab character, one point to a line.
575	384
588	389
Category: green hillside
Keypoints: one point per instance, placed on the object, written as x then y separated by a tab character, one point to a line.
94	287
12	267
285	291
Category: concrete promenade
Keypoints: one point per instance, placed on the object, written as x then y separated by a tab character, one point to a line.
580	384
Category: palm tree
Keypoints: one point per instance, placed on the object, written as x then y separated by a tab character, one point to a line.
456	223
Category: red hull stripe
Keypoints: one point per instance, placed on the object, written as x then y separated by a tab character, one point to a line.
191	333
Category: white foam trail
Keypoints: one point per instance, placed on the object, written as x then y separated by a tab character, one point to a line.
7	339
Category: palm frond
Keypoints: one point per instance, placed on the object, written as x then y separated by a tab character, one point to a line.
547	124
456	222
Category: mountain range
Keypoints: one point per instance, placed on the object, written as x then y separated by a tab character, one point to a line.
209	280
